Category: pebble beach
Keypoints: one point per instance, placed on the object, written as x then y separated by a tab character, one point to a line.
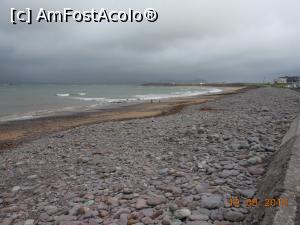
179	169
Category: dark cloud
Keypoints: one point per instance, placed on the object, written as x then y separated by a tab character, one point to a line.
233	40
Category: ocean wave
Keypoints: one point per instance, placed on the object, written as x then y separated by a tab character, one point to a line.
107	100
214	90
177	94
90	99
15	117
62	94
38	113
184	92
68	94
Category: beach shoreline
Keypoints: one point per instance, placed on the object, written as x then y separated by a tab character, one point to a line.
13	133
28	101
151	170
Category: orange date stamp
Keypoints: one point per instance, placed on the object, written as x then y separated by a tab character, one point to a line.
255	202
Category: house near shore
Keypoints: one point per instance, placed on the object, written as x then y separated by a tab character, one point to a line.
289	81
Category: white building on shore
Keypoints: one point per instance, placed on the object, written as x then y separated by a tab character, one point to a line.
289	81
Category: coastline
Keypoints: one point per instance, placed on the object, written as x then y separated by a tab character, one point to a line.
52	100
16	132
152	170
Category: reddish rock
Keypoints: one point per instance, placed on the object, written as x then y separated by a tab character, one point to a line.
157	214
103	213
156	200
166	221
121	211
112	201
147	220
140	203
256	170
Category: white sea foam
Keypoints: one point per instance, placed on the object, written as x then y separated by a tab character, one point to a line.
177	94
144	97
90	99
63	94
89	102
15	117
215	90
39	113
107	100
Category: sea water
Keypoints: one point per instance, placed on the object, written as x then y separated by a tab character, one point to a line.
28	101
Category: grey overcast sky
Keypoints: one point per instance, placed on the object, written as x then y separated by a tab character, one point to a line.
214	40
